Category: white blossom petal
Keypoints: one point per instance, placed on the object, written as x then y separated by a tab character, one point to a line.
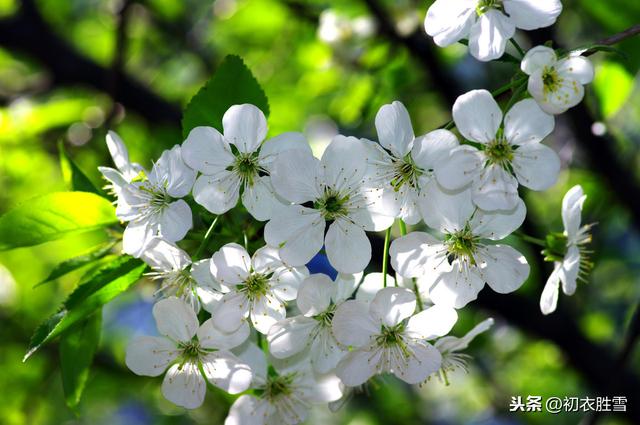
433	322
245	126
344	163
218	194
527	123
260	199
165	256
290	336
449	21
150	355
572	204
371	285
569	271
533	14
265	312
231	264
231	312
577	68
536	166
448	211
175	319
503	268
206	150
455	288
550	293
212	337
392	305
434	148
348	248
357	366
477	116
496	189
496	225
353	325
394	129
424	361
298	232
463	165
537	59
314	295
414	255
184	385
489	35
227	372
295	176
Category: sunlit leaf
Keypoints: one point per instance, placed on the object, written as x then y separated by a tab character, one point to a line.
614	85
232	84
73	175
53	216
75	263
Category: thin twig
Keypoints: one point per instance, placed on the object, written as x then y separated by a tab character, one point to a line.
615	39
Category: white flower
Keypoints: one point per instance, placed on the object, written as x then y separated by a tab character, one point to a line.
488	24
151	204
456	266
193	282
386	336
324	191
125	170
450	347
568	251
239	159
556	83
507	155
184	348
255	287
318	298
405	165
286	392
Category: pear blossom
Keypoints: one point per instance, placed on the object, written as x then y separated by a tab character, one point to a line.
283	393
239	159
451	346
151	203
184	348
318	298
180	277
508	154
556	83
125	171
455	265
568	251
404	164
386	336
257	287
328	191
487	24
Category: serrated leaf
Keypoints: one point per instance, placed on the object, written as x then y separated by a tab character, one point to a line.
53	216
73	175
87	298
75	263
77	350
232	84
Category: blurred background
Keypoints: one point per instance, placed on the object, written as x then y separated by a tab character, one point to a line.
69	70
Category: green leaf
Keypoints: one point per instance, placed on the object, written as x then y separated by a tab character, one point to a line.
99	288
232	84
77	350
73	175
75	263
53	216
614	86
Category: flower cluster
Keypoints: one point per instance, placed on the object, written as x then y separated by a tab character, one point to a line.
287	338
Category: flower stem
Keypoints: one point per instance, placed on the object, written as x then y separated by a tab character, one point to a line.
403	228
527	238
385	256
206	239
517	46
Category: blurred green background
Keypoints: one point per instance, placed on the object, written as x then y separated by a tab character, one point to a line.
326	67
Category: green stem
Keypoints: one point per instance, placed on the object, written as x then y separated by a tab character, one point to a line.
385	256
507	87
517	46
515	97
206	239
403	228
416	290
531	239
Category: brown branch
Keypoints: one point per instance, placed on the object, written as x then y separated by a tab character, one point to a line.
615	39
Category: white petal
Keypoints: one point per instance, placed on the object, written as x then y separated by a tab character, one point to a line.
527	123
173	174
537	59
201	273
433	322
447	211
394	129
344	286
227	372
184	385
150	355
463	165
260	199
120	156
314	295
477	116
533	14
298	232
245	126
175	319
231	264
503	268
286	282
413	255
212	337
497	189
295	176
327	388
424	361
344	162
247	410
577	68
325	351
253	355
232	309
353	325
175	221
572	209
357	367
165	256
536	166
273	147
449	21
265	312
371	285
347	246
496	225
136	237
392	305
489	35
550	293
217	194
290	336
452	343
568	273
455	288
434	148
115	177
206	150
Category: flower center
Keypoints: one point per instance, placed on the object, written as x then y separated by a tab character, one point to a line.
485	5
257	285
325	318
391	336
551	80
191	350
246	166
499	152
278	385
406	172
331	205
461	245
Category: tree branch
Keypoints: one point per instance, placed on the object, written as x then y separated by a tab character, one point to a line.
615	39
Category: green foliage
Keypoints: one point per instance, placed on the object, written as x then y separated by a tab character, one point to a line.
77	350
232	84
53	216
97	289
77	262
72	174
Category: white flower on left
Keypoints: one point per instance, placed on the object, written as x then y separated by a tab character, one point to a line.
556	83
184	348
257	287
507	155
488	24
386	336
149	201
